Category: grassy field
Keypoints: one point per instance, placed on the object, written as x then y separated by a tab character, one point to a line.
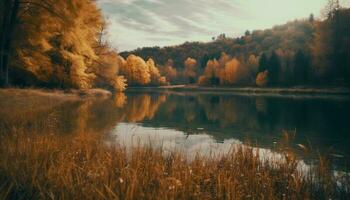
40	164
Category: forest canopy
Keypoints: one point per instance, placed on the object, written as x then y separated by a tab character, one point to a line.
302	52
62	44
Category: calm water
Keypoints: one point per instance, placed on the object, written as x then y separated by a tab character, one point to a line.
193	121
198	120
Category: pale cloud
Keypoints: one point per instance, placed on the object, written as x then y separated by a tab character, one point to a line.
139	23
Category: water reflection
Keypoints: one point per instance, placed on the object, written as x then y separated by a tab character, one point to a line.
321	123
222	117
131	135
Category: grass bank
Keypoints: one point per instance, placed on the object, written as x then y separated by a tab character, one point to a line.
82	166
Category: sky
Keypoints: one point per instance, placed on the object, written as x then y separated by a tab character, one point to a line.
148	23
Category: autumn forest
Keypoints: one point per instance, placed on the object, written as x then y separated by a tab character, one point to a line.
164	99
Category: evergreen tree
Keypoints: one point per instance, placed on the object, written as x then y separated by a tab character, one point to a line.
311	18
301	68
274	67
262	63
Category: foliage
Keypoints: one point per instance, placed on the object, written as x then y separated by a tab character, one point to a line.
289	37
169	72
141	73
191	68
330	49
300	52
262	79
61	44
156	78
136	71
211	74
56	44
233	73
252	65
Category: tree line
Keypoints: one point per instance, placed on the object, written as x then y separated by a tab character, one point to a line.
302	52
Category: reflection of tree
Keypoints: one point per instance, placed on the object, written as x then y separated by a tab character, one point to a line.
220	109
120	100
142	107
83	113
211	105
79	116
260	104
189	107
228	111
170	107
190	115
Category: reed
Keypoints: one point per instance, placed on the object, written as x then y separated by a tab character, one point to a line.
82	166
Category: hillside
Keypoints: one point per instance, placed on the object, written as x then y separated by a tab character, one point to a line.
289	37
300	52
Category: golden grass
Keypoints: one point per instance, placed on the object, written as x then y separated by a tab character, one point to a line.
82	166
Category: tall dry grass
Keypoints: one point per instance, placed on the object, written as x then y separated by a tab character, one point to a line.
82	166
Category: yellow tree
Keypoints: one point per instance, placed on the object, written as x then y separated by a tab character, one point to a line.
57	43
233	73
107	70
262	79
79	40
118	83
211	74
136	71
156	78
169	71
54	41
190	72
224	58
252	65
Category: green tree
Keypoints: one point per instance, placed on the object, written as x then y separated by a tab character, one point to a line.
301	68
263	63
274	67
311	18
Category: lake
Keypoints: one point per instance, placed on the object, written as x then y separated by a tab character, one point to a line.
200	121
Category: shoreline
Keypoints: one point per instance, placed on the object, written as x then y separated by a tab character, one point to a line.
65	93
251	90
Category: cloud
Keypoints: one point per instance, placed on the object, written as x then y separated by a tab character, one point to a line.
138	23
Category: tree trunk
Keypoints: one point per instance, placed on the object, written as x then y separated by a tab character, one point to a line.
4	22
10	24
